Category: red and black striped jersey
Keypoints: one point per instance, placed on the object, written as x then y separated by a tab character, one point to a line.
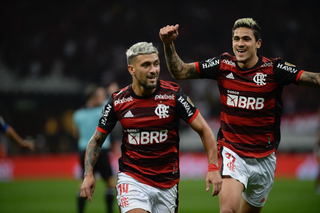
251	104
150	144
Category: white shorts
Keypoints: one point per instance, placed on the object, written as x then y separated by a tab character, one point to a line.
256	174
132	194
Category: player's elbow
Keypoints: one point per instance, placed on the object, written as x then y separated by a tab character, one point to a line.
175	76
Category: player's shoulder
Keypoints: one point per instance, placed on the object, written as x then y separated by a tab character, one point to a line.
266	62
169	85
121	92
228	56
228	60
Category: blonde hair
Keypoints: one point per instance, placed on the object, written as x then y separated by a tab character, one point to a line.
248	23
140	48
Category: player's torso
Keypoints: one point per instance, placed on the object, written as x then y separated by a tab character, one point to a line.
147	121
150	144
248	102
247	89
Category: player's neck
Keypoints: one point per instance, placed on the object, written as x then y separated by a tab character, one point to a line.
141	91
251	62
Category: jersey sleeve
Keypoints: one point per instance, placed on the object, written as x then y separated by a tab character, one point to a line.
185	108
286	73
208	68
3	125
108	117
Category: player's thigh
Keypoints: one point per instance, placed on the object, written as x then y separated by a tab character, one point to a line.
248	208
230	195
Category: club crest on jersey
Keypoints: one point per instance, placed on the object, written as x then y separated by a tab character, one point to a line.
162	111
260	79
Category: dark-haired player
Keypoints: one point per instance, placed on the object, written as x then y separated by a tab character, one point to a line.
250	91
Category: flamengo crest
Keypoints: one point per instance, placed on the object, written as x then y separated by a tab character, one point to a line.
162	111
260	79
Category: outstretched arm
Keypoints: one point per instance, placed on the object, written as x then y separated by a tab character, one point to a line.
11	133
177	68
210	146
309	79
92	153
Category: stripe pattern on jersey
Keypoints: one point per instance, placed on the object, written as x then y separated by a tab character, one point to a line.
150	144
251	104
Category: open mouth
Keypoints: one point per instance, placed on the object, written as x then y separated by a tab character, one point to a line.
152	78
241	51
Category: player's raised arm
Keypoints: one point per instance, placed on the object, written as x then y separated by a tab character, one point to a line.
92	153
177	68
309	79
210	146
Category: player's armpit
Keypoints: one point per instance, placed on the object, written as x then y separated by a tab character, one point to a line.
309	79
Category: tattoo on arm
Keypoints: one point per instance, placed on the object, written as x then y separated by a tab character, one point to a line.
93	151
177	68
310	79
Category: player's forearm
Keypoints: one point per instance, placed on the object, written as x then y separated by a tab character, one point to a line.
92	152
210	146
310	79
11	133
177	68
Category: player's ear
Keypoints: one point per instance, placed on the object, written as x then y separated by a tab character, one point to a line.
131	69
258	44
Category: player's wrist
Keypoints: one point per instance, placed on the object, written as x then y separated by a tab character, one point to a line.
86	174
213	167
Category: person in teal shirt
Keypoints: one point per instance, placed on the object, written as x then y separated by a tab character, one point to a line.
86	120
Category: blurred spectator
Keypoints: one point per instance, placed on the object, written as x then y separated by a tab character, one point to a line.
86	121
12	134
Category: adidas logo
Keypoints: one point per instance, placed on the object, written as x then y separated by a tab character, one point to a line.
230	76
128	114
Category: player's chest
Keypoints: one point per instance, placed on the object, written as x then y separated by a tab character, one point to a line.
146	112
256	80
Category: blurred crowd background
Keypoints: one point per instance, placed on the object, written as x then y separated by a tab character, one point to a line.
51	50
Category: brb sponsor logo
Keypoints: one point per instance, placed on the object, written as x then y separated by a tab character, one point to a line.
144	138
236	100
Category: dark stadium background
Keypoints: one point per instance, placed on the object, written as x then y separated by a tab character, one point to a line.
50	50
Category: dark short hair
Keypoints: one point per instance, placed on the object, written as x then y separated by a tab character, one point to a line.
248	23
